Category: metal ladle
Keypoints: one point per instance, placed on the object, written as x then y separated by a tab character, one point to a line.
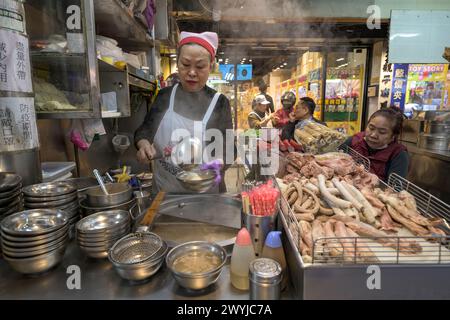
188	147
100	181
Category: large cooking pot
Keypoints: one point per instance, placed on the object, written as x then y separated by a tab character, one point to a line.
117	193
434	142
435	127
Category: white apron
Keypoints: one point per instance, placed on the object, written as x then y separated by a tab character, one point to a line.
164	172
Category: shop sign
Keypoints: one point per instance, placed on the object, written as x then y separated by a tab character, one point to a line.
12	15
15	72
18	130
400	77
426	72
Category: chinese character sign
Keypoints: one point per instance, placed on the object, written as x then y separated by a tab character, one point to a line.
18	130
400	76
15	72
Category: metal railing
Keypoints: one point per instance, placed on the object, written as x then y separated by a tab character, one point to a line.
357	157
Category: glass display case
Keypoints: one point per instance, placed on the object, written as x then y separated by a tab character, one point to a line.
78	73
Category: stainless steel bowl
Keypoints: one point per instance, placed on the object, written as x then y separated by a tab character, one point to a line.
14	253
87	209
197	180
49	189
96	253
30	246
196	281
118	194
63	203
34	222
36	264
36	240
101	221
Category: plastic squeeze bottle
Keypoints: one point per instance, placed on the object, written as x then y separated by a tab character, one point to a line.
243	253
273	249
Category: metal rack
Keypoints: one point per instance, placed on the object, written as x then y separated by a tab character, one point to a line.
357	157
345	275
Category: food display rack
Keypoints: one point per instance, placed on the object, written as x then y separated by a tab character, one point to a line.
394	277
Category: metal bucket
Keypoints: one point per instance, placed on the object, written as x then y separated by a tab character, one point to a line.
118	193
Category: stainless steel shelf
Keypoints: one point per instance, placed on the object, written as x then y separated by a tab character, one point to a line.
114	20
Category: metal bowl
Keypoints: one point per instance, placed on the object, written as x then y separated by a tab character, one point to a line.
49	199
49	189
36	264
118	194
32	246
97	253
101	221
34	222
9	180
196	281
15	253
197	180
87	209
37	240
52	204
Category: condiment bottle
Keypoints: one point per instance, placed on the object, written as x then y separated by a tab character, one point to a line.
243	253
273	249
265	279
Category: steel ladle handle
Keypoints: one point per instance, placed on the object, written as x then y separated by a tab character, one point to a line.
100	181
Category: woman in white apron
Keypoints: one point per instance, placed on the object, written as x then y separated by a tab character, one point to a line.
190	96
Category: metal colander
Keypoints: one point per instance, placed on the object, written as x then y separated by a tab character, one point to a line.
135	248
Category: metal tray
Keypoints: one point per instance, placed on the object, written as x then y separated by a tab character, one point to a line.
394	280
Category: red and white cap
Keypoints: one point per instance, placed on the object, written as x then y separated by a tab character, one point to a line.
208	40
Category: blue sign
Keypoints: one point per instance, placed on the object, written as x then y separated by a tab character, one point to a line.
244	71
399	80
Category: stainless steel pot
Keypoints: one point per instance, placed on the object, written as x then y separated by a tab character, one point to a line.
435	142
118	193
435	127
88	209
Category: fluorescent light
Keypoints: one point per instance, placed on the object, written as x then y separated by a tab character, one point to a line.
285	63
250	60
340	59
244	59
173	55
220	60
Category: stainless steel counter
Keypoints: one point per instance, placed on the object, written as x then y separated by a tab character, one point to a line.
100	281
441	155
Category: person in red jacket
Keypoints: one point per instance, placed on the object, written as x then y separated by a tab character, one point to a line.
281	116
379	144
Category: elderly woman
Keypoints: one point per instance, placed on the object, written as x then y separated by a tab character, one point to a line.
379	143
181	106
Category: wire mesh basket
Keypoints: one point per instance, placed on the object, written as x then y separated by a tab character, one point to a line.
136	248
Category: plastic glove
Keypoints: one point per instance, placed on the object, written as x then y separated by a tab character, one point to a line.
215	165
77	139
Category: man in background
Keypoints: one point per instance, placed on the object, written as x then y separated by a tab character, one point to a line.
263	91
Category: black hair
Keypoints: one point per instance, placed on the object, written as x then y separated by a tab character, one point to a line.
394	114
309	103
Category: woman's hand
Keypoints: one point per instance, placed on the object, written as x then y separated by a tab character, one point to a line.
292	117
146	151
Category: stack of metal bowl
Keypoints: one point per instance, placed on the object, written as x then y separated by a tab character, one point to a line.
120	197
98	232
10	194
34	241
138	256
60	195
